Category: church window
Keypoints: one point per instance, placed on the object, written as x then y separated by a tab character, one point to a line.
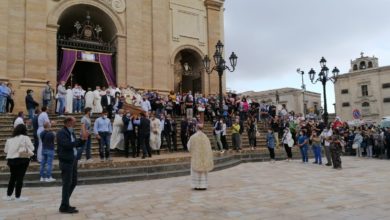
386	100
344	91
364	90
370	64
345	104
365	104
385	85
355	67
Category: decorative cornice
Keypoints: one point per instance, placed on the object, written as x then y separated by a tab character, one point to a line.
214	4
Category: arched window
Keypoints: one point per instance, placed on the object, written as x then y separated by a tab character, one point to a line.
355	67
362	65
370	64
365	104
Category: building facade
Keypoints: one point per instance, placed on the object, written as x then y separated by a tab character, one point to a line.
142	43
294	99
366	88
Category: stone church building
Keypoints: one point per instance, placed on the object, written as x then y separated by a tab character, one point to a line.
142	43
365	88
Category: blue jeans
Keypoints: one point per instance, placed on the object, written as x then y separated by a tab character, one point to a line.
317	153
31	112
61	109
104	145
76	105
3	102
87	148
47	159
46	103
303	150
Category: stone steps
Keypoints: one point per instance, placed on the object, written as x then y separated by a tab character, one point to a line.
6	130
152	168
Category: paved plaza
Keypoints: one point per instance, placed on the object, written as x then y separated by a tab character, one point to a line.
265	190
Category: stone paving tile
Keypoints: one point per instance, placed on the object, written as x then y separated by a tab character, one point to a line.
249	191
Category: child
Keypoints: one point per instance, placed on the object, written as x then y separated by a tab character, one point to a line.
271	144
47	137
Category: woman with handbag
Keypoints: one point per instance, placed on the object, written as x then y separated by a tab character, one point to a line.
19	149
288	143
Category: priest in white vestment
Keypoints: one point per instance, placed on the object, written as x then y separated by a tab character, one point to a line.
69	100
97	101
117	139
89	96
155	133
201	158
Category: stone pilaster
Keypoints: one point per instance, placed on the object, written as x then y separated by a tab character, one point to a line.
3	38
35	52
135	73
121	61
214	33
160	35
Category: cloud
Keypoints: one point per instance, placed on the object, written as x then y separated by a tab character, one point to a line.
273	38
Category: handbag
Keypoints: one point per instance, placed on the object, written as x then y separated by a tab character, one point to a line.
290	143
23	150
258	134
355	146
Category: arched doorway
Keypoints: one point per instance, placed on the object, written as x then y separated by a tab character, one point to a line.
188	71
86	47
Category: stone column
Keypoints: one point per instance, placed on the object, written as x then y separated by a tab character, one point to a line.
214	33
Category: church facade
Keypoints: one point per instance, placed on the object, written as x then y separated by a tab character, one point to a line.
142	43
364	89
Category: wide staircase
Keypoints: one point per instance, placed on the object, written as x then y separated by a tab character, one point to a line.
130	169
6	127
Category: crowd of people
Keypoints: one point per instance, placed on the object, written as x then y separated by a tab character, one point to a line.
144	134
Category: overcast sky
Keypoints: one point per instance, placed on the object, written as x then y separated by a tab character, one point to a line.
272	38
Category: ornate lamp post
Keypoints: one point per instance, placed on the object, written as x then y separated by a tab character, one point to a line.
220	67
324	78
299	71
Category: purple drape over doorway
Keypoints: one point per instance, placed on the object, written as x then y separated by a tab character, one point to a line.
106	64
69	58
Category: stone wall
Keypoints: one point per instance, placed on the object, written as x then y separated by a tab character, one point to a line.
149	35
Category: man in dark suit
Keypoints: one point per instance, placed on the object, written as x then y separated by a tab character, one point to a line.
144	134
173	132
129	135
184	133
108	103
31	104
67	144
166	132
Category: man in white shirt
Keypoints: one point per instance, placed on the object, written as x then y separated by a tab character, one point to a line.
326	136
19	120
61	98
77	93
145	105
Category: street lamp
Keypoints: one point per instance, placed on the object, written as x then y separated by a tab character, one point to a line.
324	77
299	71
220	67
